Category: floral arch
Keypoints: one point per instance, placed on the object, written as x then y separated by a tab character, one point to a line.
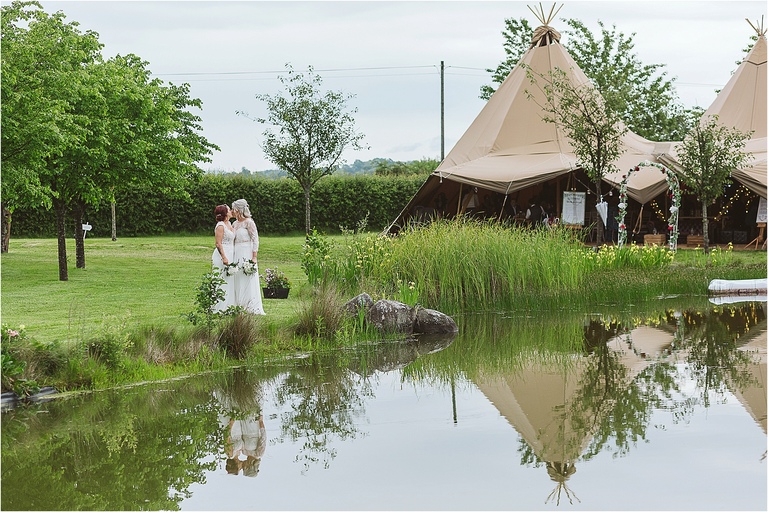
674	193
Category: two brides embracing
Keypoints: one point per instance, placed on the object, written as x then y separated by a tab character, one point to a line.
237	246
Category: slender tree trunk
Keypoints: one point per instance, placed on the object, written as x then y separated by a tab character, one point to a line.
60	208
114	222
6	229
705	226
600	226
79	213
307	209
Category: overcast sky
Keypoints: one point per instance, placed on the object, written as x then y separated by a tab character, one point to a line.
387	54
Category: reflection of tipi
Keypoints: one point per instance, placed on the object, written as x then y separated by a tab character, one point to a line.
538	401
753	397
509	146
741	104
535	402
641	346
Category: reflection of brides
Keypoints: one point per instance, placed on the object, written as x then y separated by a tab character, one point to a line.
246	440
242	423
246	287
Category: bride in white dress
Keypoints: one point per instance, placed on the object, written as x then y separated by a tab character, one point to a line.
247	290
224	253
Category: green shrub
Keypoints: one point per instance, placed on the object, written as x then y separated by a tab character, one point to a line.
238	334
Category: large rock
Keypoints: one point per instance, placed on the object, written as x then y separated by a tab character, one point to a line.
362	301
391	316
430	321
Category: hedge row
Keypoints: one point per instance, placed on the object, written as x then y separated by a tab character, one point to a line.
277	206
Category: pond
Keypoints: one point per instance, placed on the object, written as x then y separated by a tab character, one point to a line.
660	407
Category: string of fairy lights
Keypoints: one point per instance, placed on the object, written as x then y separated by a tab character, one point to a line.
725	208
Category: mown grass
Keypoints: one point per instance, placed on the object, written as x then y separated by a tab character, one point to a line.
143	281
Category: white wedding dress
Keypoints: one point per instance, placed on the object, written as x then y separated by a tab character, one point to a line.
247	288
228	244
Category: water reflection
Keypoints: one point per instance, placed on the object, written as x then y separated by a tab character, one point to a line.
240	416
573	388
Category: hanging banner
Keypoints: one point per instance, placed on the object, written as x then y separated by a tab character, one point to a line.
574	205
762	211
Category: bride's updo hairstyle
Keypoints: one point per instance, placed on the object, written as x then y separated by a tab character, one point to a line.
221	213
241	205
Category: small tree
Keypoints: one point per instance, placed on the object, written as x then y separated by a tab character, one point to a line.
314	129
594	129
708	155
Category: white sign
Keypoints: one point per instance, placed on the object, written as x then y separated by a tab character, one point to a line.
574	205
762	211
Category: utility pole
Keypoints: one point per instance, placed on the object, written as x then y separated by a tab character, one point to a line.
442	110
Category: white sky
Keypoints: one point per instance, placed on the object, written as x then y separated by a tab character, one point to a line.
387	54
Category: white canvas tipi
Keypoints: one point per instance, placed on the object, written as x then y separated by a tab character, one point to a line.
509	146
741	104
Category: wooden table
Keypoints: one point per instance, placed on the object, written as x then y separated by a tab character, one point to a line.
655	239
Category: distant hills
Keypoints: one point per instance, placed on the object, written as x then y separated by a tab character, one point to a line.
380	166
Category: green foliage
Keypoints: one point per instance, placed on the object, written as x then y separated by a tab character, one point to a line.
588	119
407	293
518	35
633	256
276	206
109	122
322	315
111	343
313	130
316	257
708	156
421	167
238	334
209	293
14	374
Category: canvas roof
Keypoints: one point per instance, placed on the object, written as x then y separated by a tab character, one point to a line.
741	104
509	146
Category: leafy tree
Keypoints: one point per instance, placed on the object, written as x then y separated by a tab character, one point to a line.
707	156
415	167
587	119
313	130
111	123
42	66
642	94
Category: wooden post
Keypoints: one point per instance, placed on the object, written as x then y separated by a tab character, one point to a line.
760	236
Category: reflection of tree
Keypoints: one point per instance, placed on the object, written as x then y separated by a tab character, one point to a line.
615	404
324	398
711	345
138	448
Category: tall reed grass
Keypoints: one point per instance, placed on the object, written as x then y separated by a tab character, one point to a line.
463	264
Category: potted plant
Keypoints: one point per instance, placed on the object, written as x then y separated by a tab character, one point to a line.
276	284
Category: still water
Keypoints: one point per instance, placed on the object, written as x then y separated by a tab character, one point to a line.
661	407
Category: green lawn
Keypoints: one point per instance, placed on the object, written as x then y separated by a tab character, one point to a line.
146	280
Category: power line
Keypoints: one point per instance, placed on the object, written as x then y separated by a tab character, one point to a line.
329	70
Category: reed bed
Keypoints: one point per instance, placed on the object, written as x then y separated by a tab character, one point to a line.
463	264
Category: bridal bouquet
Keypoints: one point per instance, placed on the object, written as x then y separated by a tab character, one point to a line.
230	269
249	267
